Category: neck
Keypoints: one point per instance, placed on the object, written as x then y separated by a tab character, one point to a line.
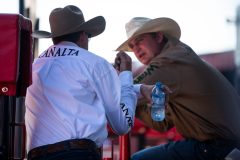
163	44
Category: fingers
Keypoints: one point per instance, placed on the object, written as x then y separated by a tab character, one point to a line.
123	62
117	63
166	89
122	56
146	91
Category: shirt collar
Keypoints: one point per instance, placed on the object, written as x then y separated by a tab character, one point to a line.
68	43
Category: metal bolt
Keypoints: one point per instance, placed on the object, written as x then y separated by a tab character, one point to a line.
4	89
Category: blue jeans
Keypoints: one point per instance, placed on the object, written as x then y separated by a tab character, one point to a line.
184	150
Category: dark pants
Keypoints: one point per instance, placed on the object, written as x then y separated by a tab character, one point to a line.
76	149
186	150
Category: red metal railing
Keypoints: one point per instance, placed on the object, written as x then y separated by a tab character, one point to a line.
124	145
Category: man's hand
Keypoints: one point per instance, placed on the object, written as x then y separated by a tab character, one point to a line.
146	91
123	62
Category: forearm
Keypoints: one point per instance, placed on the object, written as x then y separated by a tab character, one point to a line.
127	106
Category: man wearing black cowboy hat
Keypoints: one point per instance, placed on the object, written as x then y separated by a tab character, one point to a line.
75	92
203	106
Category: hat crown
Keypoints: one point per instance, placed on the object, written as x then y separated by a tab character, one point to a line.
140	25
69	20
134	24
70	15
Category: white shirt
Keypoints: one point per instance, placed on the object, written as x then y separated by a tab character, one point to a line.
73	95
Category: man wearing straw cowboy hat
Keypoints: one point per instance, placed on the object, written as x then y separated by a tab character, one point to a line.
75	92
203	105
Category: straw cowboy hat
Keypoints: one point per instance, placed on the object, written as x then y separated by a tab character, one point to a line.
141	25
70	19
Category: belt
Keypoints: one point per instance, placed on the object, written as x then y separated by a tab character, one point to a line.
72	144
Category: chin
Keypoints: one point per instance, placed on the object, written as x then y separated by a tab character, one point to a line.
145	62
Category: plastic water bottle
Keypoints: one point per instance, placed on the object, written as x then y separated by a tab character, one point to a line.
158	106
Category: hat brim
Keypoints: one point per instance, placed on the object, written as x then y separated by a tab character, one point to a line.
94	27
41	34
165	25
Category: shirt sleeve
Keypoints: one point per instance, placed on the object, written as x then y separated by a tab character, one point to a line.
128	100
137	88
117	94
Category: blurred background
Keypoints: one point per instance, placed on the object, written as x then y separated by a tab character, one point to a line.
210	27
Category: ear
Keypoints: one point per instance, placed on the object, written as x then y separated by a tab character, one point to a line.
82	37
83	41
159	37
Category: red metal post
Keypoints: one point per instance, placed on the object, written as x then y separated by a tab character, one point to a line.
124	145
